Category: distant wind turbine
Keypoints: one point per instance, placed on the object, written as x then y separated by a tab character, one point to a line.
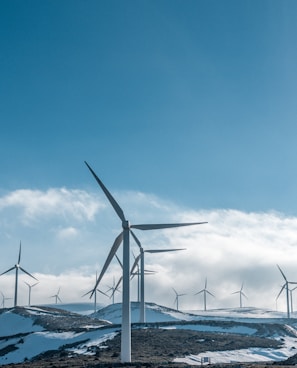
205	292
285	286
113	289
56	296
3	300
177	298
95	294
141	258
241	293
17	267
125	237
30	287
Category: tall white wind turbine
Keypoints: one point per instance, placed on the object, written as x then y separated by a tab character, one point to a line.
205	292
17	267
241	293
124	236
30	287
141	258
285	286
177	297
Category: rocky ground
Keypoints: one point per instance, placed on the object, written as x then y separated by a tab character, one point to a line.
154	345
154	348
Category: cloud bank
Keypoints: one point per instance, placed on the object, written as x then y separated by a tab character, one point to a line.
66	235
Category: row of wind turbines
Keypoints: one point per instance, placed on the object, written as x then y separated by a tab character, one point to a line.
206	292
18	267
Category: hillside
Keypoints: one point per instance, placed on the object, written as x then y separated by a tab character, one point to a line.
41	336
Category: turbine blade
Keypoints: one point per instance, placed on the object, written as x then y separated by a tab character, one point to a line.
208	292
135	264
199	292
117	286
19	259
121	264
29	274
174	291
162	250
164	226
282	273
88	292
7	270
112	252
102	292
112	201
244	295
278	295
136	239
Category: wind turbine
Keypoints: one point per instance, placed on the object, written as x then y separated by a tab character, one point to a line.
124	236
177	297
56	296
17	267
3	300
141	257
138	274
113	288
285	286
241	293
205	291
95	294
30	287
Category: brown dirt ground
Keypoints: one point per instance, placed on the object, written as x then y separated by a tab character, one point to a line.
155	348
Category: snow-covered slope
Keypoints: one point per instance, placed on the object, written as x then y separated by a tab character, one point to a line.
153	312
28	332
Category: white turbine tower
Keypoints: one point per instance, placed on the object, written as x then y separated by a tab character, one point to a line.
124	236
205	292
141	258
241	293
285	286
291	298
17	267
138	274
177	298
30	287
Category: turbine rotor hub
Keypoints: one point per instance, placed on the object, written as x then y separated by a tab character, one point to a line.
126	225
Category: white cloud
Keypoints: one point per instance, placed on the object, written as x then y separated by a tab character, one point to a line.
67	233
73	232
34	205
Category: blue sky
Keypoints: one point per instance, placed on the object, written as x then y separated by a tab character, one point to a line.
188	104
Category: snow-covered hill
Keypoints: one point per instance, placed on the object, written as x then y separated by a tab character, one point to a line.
28	332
